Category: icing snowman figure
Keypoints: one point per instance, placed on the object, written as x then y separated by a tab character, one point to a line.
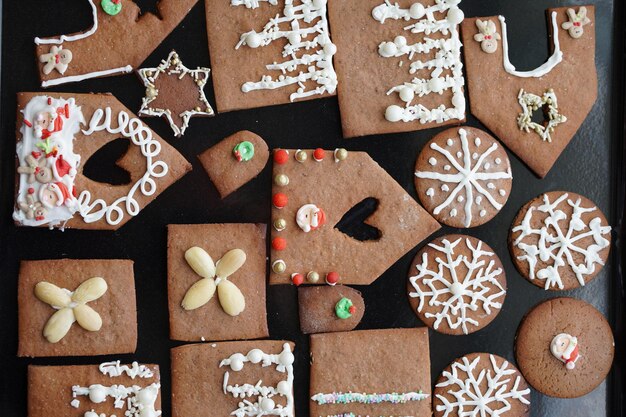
576	22
564	347
487	36
310	217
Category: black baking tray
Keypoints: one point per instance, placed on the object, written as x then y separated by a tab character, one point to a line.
592	165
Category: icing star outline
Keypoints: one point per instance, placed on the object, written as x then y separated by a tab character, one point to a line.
173	66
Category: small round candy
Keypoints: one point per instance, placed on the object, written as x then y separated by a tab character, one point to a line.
417	10
243	151
388	49
318	154
279	243
267	404
455	15
253	40
281	157
407	94
283	388
111	7
436	84
97	394
332	278
330	49
319	3
281	180
286	358
341	154
313	277
280	224
279	266
255	356
394	113
301	156
400	41
280	200
297	279
236	362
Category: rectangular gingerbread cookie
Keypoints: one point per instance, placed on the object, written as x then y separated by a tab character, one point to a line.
111	388
51	288
371	372
210	321
209	380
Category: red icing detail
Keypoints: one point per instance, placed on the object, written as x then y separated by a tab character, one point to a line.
352	310
280	200
318	154
281	156
297	279
49	101
64	190
116	1
31	190
321	219
487	36
67	110
35	155
573	356
238	156
332	278
53	153
279	243
62	166
37	170
74	193
39	218
57	58
27	123
577	24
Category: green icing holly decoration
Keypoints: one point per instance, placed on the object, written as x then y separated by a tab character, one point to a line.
243	151
111	7
344	308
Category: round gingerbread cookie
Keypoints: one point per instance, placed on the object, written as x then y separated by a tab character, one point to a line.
564	348
463	177
481	384
560	240
457	284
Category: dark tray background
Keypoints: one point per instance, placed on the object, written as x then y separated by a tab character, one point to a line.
591	165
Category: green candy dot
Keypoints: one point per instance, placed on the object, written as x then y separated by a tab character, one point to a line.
111	7
342	308
244	151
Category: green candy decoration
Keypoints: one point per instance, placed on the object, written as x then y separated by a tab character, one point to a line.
243	151
344	308
111	7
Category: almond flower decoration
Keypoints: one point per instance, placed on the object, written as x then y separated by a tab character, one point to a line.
215	276
71	306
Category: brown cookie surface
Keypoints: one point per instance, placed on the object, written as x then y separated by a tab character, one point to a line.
317	196
317	307
457	284
559	240
215	374
210	321
354	372
466	385
226	171
463	177
50	389
116	308
580	334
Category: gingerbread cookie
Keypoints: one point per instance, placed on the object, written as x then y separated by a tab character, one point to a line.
216	281
235	161
56	137
399	64
371	372
235	378
563	89
175	92
481	384
120	39
564	347
560	241
329	308
108	389
460	284
76	308
463	177
266	52
312	191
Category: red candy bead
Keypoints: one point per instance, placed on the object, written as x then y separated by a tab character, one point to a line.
281	156
280	200
297	279
31	190
318	154
352	310
332	278
279	243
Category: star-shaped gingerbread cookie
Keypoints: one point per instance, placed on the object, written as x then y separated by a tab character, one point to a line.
175	92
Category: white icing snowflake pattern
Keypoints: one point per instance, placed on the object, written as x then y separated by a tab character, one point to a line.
558	246
297	28
470	400
467	178
459	295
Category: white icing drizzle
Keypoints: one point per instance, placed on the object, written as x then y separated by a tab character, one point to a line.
87	76
114	369
264	404
469	399
139	135
318	58
457	296
72	38
556	247
467	177
139	401
549	65
447	58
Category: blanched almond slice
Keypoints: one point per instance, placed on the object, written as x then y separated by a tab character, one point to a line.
87	317
90	290
51	294
200	261
231	298
199	294
58	325
230	263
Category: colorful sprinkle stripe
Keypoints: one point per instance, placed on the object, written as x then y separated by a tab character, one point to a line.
350	397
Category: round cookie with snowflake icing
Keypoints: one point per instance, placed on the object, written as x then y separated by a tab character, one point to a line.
463	177
457	284
481	384
560	240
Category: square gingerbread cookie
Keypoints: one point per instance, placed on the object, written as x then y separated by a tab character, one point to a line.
216	282
251	378
73	307
371	372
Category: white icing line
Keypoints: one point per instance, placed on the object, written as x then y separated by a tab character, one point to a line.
72	38
77	78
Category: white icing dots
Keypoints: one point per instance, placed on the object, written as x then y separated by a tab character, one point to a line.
502	192
483	213
498	161
445	188
450	142
477	141
430	192
432	161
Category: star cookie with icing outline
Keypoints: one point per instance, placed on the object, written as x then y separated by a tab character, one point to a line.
175	92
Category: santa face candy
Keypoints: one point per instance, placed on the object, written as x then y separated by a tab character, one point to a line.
564	347
560	241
